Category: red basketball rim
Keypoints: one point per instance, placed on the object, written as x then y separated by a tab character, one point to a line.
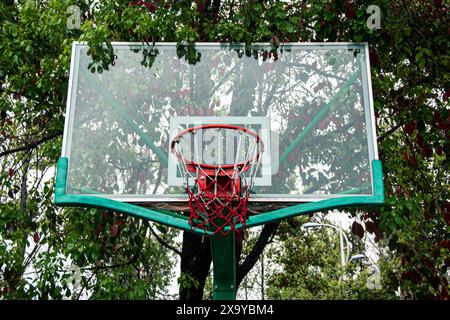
218	126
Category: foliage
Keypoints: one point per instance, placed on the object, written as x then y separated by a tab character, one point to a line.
410	72
307	265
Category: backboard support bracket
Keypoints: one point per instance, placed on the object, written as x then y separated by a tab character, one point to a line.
181	222
91	201
374	200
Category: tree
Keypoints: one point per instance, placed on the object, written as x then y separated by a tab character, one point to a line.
410	72
307	266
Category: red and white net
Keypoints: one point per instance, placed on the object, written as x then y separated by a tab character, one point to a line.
219	174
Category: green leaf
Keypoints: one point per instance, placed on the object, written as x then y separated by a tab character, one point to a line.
398	220
409	205
420	60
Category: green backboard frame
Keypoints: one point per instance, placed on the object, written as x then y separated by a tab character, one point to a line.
179	221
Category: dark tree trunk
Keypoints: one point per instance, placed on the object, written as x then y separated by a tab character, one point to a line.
195	261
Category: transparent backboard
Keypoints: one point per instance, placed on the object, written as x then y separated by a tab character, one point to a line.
310	103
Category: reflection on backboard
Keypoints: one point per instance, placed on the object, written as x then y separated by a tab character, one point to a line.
310	103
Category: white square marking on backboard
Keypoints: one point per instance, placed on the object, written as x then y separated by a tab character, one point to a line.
266	163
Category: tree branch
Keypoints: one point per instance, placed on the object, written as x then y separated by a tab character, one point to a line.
32	144
389	132
411	84
164	243
257	249
133	259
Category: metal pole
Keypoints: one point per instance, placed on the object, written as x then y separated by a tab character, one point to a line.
262	276
224	266
246	290
341	242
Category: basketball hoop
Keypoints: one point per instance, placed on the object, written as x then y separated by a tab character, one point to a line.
218	193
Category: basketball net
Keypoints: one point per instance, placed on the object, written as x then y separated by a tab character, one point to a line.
218	193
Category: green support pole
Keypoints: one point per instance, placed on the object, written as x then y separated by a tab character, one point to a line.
224	266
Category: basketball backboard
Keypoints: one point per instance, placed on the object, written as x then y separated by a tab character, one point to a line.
310	103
